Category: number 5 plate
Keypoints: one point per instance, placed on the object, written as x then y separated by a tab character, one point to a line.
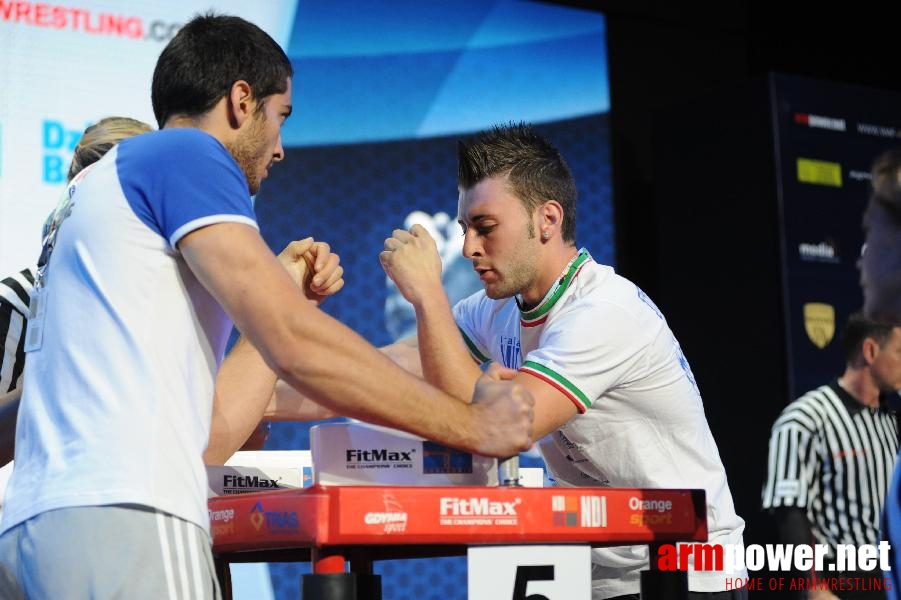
550	572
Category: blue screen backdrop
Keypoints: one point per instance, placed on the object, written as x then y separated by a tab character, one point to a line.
382	93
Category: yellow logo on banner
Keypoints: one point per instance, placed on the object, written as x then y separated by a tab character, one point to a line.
819	172
819	323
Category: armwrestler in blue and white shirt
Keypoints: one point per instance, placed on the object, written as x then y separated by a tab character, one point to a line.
160	252
123	281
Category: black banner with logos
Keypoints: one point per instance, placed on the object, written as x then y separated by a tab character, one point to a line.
827	136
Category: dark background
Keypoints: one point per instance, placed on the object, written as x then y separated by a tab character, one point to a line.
695	202
663	54
695	192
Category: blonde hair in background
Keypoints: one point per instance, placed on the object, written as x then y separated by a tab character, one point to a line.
100	137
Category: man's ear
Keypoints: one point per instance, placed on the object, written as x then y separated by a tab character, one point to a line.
551	214
241	103
869	349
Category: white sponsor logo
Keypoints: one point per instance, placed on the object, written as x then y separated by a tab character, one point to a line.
394	522
820	122
225	515
821	252
803	557
394	517
478	511
877	130
642	504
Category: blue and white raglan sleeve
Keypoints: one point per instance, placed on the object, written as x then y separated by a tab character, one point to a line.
180	180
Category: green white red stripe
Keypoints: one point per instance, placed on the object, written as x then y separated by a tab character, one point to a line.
538	315
473	349
558	381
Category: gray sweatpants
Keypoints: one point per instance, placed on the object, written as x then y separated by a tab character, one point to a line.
118	551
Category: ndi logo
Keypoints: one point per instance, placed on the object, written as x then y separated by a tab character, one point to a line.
58	144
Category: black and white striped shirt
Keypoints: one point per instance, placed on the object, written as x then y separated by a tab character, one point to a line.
833	456
14	300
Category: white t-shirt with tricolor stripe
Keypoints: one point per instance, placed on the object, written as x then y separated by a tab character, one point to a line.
603	343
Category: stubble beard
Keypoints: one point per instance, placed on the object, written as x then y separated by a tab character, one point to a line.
520	274
248	150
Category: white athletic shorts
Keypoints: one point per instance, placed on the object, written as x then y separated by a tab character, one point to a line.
116	551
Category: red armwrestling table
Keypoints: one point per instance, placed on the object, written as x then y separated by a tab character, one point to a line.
328	525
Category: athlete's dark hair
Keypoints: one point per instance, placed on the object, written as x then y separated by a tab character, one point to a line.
536	171
211	52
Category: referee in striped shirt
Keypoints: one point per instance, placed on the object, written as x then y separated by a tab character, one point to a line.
832	453
14	301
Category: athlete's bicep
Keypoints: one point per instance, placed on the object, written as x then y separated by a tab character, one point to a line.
552	407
